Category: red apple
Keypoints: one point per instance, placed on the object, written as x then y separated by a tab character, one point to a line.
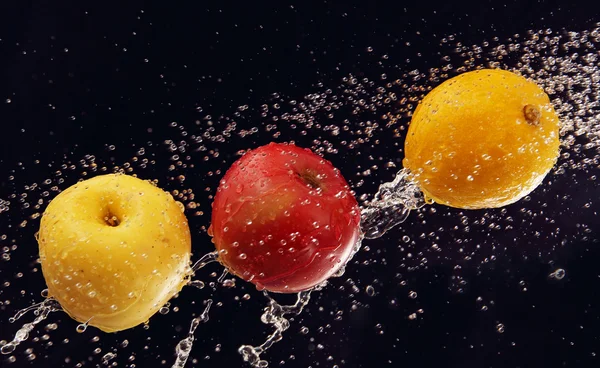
284	218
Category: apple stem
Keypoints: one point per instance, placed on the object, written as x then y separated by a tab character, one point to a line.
310	178
112	220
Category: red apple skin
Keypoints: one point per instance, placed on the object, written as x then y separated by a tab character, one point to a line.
284	218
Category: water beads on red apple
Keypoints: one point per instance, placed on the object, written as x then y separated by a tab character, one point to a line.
284	218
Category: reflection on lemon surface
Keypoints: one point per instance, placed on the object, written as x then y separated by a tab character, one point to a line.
483	139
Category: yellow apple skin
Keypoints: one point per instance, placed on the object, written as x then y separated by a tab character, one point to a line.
114	249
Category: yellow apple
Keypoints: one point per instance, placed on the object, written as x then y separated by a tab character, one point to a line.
114	249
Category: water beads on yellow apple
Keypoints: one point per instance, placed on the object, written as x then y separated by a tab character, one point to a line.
114	249
483	139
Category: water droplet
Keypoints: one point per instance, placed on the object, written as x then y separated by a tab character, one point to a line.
558	274
500	328
81	328
370	290
8	348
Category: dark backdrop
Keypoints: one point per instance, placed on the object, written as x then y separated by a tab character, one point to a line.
77	78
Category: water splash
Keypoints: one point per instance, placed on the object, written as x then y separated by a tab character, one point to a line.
559	274
223	275
41	310
108	357
204	260
196	283
274	315
83	326
391	205
4	205
184	347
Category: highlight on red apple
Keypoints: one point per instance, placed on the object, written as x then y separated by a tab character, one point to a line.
284	218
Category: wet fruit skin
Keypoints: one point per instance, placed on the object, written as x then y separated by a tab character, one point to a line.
114	249
284	218
483	139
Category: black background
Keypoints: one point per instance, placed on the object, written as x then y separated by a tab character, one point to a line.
78	81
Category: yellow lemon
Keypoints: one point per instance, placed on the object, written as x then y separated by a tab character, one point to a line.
113	250
483	139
